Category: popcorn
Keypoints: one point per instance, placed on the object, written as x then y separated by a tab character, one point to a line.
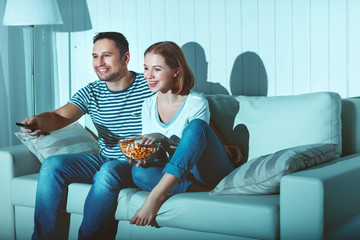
134	150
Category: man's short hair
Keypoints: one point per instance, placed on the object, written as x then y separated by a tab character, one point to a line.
119	39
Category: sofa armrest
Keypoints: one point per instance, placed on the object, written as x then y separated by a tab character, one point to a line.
315	201
15	161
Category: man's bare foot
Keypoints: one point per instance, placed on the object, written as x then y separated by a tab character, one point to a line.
147	212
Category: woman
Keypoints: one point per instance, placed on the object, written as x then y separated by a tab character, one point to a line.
178	119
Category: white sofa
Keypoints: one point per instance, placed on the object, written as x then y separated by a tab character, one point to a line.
321	202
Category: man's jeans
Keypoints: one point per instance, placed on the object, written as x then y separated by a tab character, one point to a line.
57	172
199	155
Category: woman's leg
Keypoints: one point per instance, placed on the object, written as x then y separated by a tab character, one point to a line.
198	142
56	173
147	178
199	151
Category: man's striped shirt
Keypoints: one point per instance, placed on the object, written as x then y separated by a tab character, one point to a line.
115	114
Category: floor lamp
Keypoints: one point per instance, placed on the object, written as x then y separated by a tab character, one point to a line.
31	13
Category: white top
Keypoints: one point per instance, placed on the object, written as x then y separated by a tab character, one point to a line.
195	106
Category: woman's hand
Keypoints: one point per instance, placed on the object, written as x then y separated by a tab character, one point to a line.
151	138
138	163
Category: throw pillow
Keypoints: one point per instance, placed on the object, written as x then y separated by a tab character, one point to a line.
70	139
262	175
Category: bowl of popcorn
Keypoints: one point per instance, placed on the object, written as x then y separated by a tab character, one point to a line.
134	150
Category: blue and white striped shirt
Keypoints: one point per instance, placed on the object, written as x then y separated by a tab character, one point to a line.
115	114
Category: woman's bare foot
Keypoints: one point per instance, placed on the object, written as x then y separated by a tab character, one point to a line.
147	212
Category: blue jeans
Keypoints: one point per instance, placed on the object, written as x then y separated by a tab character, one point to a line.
57	172
199	157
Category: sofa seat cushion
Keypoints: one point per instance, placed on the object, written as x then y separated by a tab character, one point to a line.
23	193
78	192
238	215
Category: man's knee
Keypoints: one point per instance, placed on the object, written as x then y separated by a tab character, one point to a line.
113	175
52	164
138	175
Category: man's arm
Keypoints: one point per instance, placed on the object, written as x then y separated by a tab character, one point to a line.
51	121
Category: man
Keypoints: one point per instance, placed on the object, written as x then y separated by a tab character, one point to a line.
114	103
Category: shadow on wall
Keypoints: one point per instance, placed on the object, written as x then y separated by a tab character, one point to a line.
248	77
75	15
76	18
195	56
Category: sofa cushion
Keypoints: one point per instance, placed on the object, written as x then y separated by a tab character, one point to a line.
269	124
79	191
185	211
70	139
262	175
23	193
237	215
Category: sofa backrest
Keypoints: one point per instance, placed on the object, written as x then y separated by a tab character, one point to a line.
264	125
268	124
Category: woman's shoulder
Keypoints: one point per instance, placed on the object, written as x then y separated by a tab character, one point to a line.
197	97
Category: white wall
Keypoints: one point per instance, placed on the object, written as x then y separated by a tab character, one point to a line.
251	47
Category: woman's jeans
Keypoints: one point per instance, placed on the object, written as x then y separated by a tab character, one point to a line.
199	155
57	172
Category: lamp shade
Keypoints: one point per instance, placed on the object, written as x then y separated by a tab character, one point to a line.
31	12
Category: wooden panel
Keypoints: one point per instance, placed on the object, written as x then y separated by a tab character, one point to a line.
301	46
337	47
143	31
187	26
250	47
263	47
353	83
172	21
284	42
157	21
117	10
197	50
129	18
233	41
217	56
319	46
267	47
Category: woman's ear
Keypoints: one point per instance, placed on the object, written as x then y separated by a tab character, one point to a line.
177	72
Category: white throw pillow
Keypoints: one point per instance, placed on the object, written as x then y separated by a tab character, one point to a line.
262	175
70	139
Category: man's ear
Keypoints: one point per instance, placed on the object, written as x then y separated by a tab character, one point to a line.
126	57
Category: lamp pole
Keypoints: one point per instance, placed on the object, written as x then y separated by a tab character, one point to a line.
33	93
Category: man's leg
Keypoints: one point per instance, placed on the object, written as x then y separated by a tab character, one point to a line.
56	173
100	204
